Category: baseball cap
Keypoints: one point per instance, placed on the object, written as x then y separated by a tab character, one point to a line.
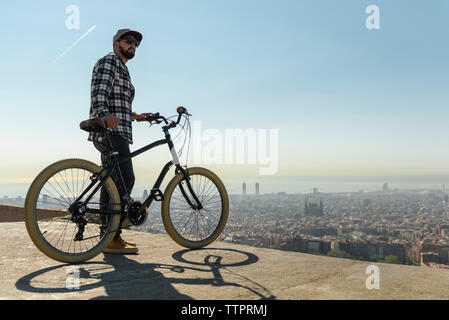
120	33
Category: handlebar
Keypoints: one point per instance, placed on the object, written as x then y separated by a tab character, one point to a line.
156	117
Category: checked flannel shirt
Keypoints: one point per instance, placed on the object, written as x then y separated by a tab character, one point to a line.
112	93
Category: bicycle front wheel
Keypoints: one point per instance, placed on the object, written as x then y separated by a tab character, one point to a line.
48	221
195	228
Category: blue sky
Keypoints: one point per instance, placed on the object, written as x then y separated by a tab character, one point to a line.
346	100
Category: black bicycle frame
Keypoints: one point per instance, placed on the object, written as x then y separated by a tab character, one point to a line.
155	193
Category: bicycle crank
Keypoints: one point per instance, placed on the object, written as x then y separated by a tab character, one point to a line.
136	215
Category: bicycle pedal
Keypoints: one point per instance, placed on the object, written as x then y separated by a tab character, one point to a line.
157	195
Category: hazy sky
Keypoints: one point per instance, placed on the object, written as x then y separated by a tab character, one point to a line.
345	100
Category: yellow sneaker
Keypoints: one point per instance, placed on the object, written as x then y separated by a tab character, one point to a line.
120	246
132	244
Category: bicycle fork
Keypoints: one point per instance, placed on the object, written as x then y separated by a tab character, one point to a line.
156	193
198	205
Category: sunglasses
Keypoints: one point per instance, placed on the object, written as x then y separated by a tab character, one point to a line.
130	40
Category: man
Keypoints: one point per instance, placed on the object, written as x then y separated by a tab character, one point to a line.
112	94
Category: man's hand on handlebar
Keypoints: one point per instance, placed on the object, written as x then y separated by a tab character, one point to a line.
112	121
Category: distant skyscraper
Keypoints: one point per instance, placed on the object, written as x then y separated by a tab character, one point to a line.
257	188
145	194
385	187
314	192
365	202
244	189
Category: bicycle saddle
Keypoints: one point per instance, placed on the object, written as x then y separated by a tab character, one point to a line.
93	125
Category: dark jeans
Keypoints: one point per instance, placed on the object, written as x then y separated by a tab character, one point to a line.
121	145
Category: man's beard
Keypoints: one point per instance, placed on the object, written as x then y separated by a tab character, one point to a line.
127	54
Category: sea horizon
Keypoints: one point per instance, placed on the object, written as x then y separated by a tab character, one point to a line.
289	185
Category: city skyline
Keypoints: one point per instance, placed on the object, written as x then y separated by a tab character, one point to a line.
254	188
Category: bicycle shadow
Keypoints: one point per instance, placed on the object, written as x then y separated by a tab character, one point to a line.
214	262
124	278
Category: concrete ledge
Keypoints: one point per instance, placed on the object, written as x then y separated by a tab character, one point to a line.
164	270
10	213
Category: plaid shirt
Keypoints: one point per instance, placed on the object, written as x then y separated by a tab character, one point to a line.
112	93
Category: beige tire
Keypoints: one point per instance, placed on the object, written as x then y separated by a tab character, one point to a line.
51	230
195	228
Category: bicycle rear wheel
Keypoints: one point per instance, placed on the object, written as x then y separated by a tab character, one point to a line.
195	228
49	223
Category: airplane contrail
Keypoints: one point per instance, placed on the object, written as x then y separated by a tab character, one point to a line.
74	44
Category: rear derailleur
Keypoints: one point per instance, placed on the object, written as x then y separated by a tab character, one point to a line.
78	211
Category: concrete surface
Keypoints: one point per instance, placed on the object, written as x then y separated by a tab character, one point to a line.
164	270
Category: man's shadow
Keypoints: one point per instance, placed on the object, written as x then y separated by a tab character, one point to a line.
131	280
124	278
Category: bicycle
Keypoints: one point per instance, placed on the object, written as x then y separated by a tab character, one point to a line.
195	203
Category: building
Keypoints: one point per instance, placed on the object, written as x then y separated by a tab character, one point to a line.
244	189
427	257
313	246
257	188
313	209
413	252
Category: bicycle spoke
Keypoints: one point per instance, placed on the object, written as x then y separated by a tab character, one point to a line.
58	192
60	195
196	225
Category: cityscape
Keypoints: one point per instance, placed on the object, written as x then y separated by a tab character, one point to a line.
393	226
406	227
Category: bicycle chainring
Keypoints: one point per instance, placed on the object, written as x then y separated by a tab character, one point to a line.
134	216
